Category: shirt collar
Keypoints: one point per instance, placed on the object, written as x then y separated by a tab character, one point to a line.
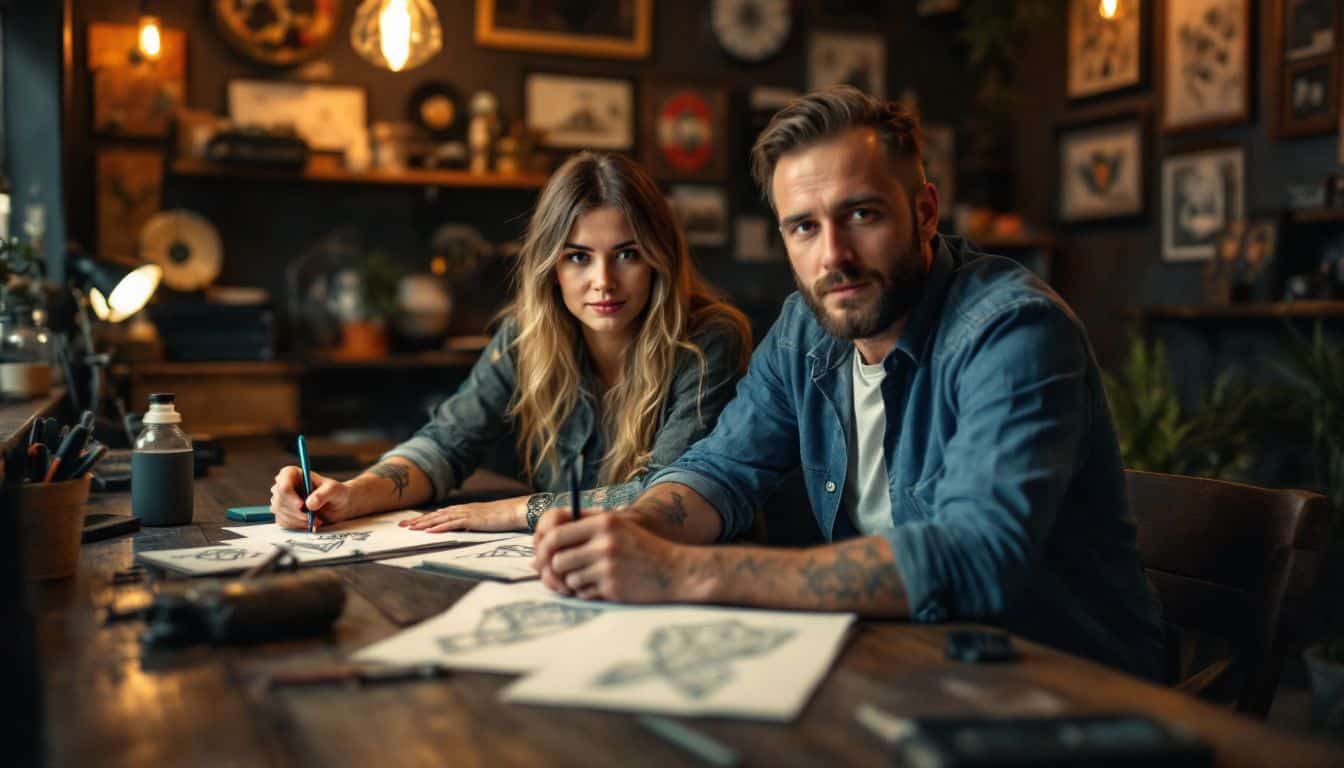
923	319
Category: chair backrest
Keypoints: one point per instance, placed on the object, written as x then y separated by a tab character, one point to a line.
1234	561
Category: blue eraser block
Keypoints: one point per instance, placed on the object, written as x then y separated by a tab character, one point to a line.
251	514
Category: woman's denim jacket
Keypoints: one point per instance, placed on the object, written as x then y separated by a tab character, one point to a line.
461	427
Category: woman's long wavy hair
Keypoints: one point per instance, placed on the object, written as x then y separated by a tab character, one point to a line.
550	343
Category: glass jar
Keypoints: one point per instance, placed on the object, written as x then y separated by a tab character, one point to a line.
26	354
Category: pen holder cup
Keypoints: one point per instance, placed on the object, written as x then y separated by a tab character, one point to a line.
51	524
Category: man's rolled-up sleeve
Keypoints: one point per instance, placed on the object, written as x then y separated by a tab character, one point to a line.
1023	401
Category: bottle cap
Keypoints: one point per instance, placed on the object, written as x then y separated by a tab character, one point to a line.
161	409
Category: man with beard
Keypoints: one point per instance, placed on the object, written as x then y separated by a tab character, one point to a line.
945	409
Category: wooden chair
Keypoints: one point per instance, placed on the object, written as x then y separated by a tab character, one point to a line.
1230	561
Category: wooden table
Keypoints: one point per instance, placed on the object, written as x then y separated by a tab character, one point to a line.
109	703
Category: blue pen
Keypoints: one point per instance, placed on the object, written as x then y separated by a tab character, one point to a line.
307	482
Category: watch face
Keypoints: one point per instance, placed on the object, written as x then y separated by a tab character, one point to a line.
751	30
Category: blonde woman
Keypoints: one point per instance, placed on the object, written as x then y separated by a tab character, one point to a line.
614	356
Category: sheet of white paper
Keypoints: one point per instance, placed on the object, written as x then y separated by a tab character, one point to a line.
722	662
203	561
512	543
365	536
507	560
497	628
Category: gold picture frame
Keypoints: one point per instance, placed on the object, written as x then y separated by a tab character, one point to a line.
625	33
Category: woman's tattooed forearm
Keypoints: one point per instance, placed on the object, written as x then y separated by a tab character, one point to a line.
606	499
397	473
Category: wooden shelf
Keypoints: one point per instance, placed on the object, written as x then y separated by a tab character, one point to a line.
1270	309
453	359
458	358
1318	215
331	173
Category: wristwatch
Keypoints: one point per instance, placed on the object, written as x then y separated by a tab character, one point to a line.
537	504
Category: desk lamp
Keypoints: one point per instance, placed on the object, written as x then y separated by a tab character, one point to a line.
114	292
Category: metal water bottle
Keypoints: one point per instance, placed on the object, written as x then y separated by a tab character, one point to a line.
162	467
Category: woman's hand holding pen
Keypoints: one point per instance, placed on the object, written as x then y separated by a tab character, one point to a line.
604	556
502	515
330	500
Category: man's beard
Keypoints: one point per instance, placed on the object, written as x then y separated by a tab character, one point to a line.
862	318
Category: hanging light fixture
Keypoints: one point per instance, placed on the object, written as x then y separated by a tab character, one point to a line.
1108	8
396	34
149	39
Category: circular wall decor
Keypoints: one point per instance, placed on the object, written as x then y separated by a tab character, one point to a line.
437	107
186	245
751	30
277	32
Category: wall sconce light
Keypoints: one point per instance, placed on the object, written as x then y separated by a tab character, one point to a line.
396	34
149	40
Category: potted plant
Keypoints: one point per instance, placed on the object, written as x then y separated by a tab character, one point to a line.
365	299
1314	369
1216	440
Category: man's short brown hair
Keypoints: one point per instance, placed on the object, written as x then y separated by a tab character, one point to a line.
829	112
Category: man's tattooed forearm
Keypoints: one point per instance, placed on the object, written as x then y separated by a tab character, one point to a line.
674	511
397	473
606	499
838	575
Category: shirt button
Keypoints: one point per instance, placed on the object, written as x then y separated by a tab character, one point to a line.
830	486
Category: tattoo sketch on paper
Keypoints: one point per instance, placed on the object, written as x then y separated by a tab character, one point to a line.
328	542
697	659
503	550
515	622
221	555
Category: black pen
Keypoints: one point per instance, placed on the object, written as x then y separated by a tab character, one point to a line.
574	490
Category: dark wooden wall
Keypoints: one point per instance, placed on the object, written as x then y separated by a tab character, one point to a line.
1102	270
266	224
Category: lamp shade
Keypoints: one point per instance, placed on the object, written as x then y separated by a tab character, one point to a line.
116	291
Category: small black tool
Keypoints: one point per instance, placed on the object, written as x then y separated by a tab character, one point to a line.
979	646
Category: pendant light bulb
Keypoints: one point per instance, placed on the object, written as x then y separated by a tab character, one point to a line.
396	34
1108	8
149	41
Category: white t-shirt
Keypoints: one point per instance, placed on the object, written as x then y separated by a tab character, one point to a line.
867	489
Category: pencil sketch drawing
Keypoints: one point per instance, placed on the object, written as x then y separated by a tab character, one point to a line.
328	542
221	555
504	550
697	659
516	622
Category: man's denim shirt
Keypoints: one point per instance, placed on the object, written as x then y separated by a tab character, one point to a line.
1006	483
460	428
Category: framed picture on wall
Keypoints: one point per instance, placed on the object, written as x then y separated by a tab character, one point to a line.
684	131
1101	170
703	212
1304	76
328	117
857	60
134	97
620	29
1206	63
580	112
130	191
1202	192
1104	54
